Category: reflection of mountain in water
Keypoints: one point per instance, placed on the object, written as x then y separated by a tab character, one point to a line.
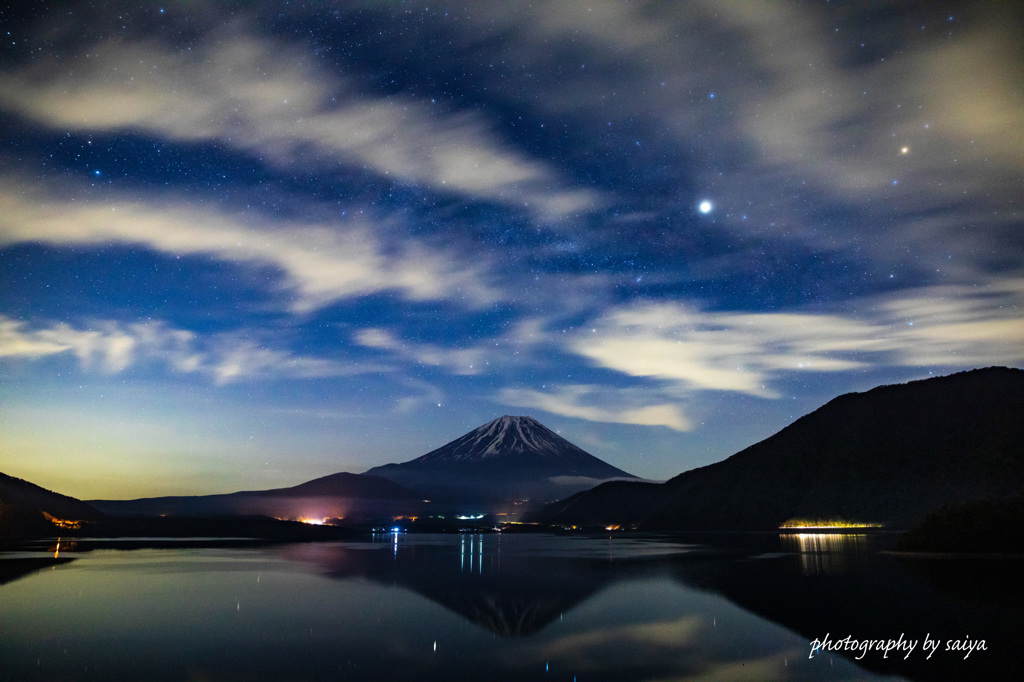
503	596
483	579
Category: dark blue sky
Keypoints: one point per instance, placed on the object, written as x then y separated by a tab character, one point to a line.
243	245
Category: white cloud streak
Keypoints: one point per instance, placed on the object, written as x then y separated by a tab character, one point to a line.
746	352
461	361
577	401
271	100
108	348
321	263
113	347
957	326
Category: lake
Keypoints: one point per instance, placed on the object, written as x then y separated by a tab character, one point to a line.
506	607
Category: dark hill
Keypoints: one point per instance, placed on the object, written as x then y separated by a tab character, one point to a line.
889	455
29	510
509	458
611	503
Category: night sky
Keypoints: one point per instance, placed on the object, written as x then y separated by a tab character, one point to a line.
243	245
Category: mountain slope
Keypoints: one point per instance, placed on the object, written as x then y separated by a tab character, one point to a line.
27	509
341	495
507	458
889	455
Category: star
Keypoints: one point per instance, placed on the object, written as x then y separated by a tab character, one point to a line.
705	206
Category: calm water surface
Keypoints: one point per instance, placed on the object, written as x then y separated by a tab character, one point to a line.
496	607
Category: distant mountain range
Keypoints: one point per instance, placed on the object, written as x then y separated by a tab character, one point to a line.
29	511
889	455
341	495
509	458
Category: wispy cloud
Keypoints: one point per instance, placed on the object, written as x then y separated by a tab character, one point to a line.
320	263
794	117
108	348
605	648
113	347
718	351
889	136
272	100
956	94
420	394
463	361
957	326
594	403
743	352
671	646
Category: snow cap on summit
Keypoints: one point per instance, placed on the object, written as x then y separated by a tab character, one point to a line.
504	437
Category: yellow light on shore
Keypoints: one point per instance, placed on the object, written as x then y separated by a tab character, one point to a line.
826	524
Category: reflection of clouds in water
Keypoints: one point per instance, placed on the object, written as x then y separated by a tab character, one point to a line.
675	634
674	646
825	553
754	670
666	644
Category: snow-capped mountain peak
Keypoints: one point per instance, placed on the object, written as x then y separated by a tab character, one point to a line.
509	458
507	437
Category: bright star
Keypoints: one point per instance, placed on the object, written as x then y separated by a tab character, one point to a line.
705	206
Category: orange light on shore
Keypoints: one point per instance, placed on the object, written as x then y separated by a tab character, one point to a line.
312	522
62	523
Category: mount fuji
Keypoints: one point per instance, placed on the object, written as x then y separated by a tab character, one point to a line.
510	458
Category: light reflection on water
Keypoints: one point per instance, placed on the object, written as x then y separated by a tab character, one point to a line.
410	607
474	550
825	553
